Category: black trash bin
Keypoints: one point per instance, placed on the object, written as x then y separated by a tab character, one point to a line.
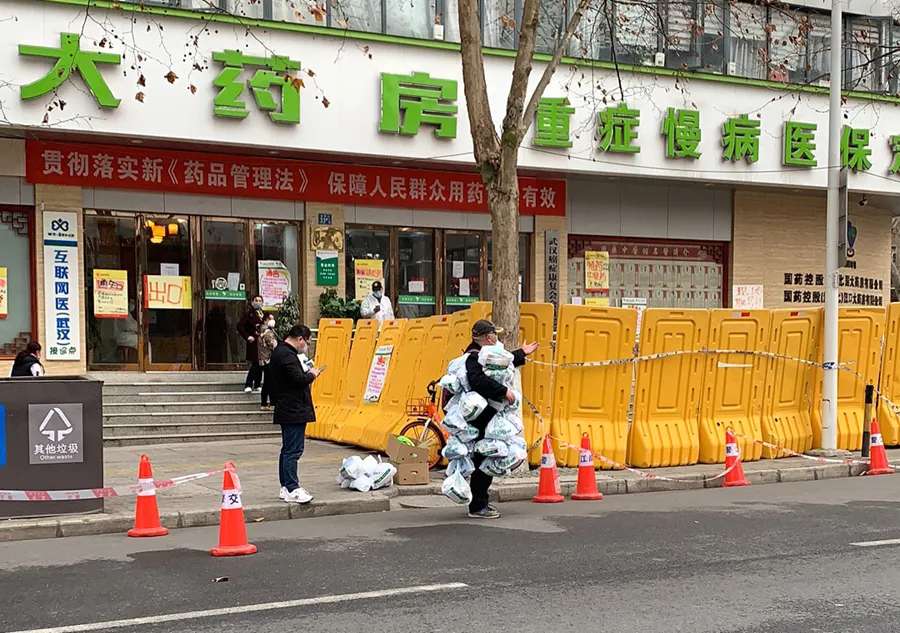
51	438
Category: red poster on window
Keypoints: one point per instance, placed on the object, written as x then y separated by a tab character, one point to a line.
110	166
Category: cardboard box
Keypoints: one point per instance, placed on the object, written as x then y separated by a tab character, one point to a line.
411	463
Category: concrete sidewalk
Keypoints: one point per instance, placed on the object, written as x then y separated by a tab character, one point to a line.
197	503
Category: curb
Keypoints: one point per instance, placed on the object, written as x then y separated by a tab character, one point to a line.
95	524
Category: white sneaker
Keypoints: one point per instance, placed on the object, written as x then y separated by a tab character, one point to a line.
257	390
298	496
283	493
247	390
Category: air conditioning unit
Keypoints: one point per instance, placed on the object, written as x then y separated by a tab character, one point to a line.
660	59
438	33
732	68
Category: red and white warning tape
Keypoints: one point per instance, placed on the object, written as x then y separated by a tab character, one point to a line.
144	487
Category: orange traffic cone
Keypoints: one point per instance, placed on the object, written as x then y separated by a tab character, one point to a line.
232	530
146	512
586	490
878	462
734	472
548	484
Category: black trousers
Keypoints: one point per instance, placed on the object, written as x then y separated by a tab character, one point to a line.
293	441
254	375
480	482
264	396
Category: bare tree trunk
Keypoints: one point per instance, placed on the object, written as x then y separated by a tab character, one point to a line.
503	196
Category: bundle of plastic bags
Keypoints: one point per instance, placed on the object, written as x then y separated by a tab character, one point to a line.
366	474
503	447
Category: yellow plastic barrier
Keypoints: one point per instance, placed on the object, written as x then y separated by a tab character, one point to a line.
889	384
460	335
332	352
786	402
733	383
535	324
357	428
593	400
667	393
859	348
429	364
353	384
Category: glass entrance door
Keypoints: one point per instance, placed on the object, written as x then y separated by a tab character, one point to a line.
416	291
462	270
168	297
225	264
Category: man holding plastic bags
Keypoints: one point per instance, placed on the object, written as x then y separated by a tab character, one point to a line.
486	371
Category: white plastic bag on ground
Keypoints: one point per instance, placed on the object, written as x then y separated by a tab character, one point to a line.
363	483
494	357
471	405
456	488
464	466
455	449
369	465
492	448
451	384
384	476
352	467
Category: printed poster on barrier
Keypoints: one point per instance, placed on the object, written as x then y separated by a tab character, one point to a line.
274	282
596	274
366	272
110	294
4	293
381	361
747	296
162	292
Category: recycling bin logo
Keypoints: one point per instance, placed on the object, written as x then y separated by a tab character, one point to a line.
55	433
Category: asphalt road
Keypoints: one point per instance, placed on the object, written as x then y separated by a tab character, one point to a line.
765	559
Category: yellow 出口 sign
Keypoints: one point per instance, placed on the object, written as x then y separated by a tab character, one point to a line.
165	292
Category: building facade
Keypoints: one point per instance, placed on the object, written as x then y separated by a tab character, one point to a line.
160	165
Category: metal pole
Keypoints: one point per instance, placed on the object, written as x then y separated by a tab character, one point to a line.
867	419
830	375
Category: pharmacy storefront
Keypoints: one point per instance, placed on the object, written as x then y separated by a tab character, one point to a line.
288	163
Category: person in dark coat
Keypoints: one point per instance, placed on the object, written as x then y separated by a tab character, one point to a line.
292	375
486	333
28	362
248	328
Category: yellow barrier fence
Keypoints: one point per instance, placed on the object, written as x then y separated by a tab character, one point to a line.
353	384
889	382
786	398
592	400
733	384
667	393
333	353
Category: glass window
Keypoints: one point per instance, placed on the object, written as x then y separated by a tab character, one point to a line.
551	25
16	327
747	42
710	39
591	39
635	26
367	244
678	38
451	20
499	23
787	45
894	71
412	18
415	292
818	48
462	270
240	8
225	290
863	42
277	259
109	244
524	250
169	330
357	15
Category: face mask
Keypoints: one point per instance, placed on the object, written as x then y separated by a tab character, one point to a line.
378	294
271	324
257	305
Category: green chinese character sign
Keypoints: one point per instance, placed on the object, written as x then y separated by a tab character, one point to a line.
618	129
408	101
271	72
552	122
855	150
799	144
69	56
895	150
682	131
740	139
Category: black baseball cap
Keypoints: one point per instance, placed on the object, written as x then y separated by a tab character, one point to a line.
376	285
483	327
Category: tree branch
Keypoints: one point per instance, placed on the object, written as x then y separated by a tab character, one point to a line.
485	141
513	127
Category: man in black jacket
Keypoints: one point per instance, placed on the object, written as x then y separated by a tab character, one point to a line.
291	378
485	333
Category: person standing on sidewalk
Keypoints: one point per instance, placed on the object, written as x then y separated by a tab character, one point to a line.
486	333
268	341
248	328
290	391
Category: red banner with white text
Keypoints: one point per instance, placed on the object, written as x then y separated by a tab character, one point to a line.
114	167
